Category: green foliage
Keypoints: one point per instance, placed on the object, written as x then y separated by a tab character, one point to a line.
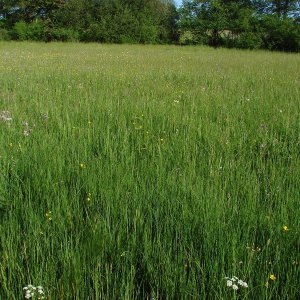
242	24
34	31
65	35
232	23
186	38
149	33
4	35
19	31
248	40
281	34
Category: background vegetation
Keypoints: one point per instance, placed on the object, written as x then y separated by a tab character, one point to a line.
269	24
148	172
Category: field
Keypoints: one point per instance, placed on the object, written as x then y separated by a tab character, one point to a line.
149	172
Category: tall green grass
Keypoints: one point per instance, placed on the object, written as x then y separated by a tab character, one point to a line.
159	171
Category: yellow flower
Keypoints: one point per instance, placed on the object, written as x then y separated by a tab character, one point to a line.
82	166
272	277
88	197
49	215
285	228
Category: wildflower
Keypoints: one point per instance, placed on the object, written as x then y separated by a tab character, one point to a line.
49	215
272	277
44	117
229	283
30	292
82	166
235	283
5	116
88	197
285	228
242	283
26	132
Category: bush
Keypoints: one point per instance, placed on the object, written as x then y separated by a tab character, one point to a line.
97	32
4	35
281	34
19	31
65	35
23	31
245	40
36	31
186	38
148	33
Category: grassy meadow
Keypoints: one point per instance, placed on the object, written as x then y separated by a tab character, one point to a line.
148	172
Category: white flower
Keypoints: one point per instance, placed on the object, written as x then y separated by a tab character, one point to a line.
5	116
25	288
229	283
235	282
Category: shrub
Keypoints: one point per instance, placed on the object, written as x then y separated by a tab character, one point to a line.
23	31
247	40
65	35
4	35
36	31
186	38
19	31
281	34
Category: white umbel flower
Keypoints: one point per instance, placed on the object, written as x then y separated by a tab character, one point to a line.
235	283
229	283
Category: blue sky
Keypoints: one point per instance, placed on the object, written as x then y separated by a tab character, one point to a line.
178	2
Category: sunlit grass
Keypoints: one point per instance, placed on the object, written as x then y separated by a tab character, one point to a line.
131	172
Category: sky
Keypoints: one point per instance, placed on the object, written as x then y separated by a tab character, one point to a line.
178	2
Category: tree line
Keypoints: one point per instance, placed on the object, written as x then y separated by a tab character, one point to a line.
253	24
